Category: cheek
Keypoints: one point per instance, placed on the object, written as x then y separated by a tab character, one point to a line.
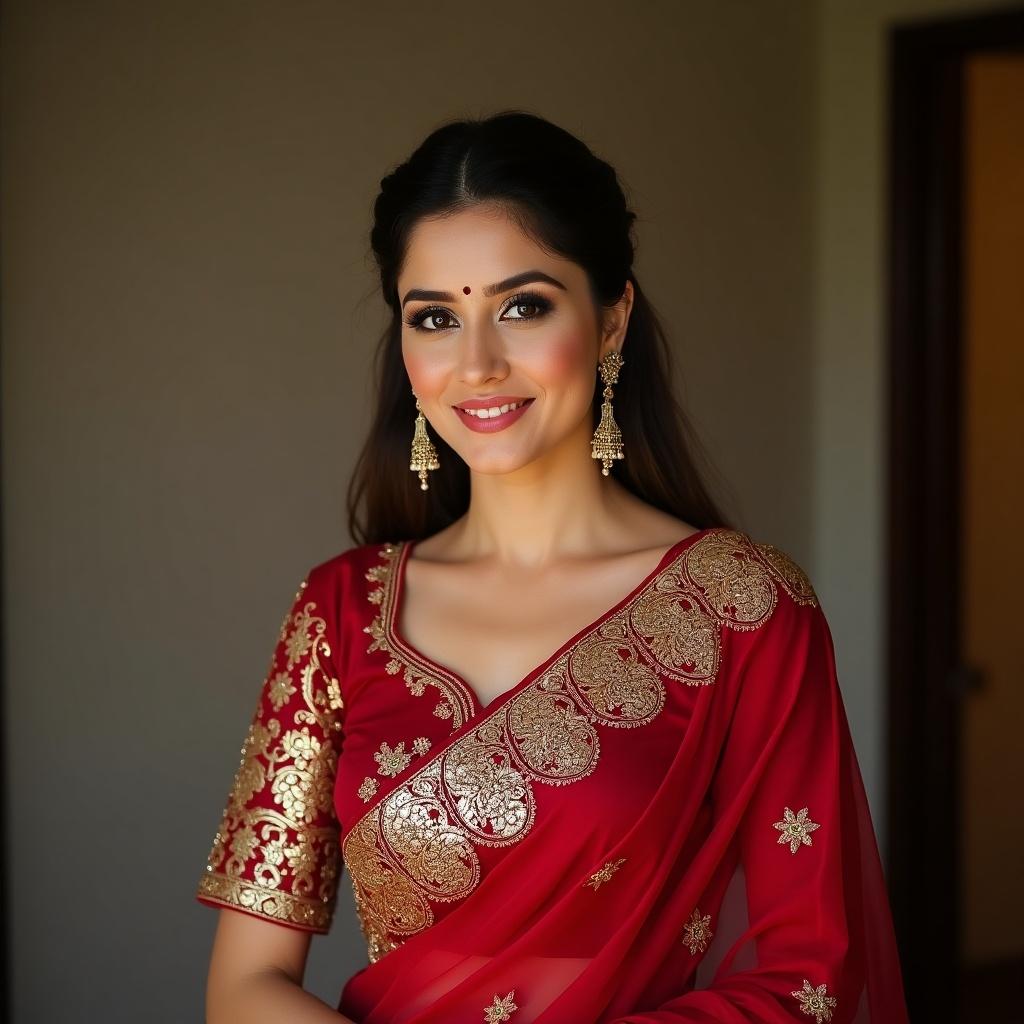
427	374
563	358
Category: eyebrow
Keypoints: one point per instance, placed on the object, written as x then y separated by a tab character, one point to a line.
489	289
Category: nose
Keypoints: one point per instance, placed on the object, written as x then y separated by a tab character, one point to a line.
481	354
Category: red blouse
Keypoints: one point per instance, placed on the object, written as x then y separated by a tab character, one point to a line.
664	821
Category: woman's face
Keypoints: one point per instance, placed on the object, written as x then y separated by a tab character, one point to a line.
534	339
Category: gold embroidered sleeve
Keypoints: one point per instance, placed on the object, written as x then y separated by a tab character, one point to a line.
276	853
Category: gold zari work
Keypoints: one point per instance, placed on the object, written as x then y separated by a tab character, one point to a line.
815	1002
281	838
417	845
455	703
795	829
392	760
500	1009
604	874
697	933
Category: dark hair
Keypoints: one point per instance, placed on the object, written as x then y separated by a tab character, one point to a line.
569	201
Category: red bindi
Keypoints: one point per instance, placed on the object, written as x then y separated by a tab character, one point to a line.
466	289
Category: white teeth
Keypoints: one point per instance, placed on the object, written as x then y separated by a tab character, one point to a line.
485	414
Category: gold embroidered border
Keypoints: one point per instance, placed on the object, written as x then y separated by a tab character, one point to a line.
279	826
417	844
273	903
792	577
455	703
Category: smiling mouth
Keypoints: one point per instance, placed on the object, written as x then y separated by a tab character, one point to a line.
494	411
492	419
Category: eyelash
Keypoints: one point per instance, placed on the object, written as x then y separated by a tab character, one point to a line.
543	305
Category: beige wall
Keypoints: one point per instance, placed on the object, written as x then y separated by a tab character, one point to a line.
849	380
187	322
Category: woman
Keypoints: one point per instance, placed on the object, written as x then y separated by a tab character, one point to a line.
663	819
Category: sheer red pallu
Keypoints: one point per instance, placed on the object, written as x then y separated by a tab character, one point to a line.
663	823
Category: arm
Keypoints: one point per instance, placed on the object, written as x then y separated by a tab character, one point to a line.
275	860
789	791
256	972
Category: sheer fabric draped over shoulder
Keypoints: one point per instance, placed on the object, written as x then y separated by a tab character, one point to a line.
664	822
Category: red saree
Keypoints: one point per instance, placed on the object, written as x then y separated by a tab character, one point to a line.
664	822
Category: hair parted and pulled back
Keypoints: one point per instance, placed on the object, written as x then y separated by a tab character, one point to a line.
570	202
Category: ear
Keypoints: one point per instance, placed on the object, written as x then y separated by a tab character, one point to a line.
615	320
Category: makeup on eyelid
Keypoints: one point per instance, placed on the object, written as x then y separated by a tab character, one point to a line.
543	304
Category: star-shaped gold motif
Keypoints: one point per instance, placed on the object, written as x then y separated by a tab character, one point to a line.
392	760
815	1002
605	873
795	829
368	788
697	933
500	1009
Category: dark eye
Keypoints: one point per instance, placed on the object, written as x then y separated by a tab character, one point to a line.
427	319
521	306
535	304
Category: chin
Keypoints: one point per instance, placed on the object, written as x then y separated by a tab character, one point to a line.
497	466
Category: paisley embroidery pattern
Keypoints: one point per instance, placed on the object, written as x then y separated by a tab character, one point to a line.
796	582
417	845
735	582
455	703
275	853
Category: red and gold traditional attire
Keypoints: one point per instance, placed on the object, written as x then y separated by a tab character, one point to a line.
662	823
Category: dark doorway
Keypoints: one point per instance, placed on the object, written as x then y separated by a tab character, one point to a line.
940	673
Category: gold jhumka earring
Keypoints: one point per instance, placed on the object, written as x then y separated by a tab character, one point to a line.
424	454
606	443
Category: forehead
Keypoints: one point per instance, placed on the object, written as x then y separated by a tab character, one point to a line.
475	247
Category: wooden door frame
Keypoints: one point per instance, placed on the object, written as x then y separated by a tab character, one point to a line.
927	678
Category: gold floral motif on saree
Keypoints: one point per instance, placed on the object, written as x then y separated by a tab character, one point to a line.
455	703
697	933
417	845
815	1001
295	875
795	829
501	1009
604	874
392	760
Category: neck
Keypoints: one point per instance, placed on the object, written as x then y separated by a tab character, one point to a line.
558	505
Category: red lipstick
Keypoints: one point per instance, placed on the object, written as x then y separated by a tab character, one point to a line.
491	424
